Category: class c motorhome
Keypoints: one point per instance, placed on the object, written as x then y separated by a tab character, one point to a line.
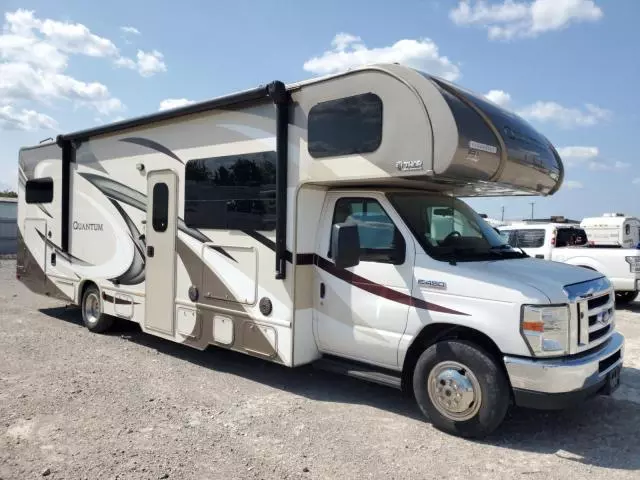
319	222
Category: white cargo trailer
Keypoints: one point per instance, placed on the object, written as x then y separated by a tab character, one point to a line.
319	222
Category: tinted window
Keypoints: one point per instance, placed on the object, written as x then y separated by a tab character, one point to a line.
567	237
235	192
380	240
528	238
346	126
39	190
627	229
160	211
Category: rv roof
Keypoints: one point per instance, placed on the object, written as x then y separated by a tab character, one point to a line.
262	92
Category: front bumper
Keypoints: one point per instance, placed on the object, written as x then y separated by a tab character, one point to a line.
559	383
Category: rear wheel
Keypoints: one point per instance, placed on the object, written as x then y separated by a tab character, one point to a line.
92	315
625	298
461	389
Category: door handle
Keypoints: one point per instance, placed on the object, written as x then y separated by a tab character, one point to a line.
322	290
150	251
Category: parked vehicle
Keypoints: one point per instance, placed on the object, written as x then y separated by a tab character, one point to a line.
569	243
319	223
612	230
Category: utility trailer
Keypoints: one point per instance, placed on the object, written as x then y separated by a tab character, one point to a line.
319	222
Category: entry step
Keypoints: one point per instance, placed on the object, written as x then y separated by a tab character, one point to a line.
359	370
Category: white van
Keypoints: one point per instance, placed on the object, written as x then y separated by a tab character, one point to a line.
319	223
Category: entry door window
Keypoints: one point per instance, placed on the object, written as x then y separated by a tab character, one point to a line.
160	211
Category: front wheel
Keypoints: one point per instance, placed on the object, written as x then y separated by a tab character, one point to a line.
461	389
625	298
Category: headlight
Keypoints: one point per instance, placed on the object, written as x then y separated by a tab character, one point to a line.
634	264
546	329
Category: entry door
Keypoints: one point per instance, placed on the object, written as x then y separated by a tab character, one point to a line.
162	188
361	312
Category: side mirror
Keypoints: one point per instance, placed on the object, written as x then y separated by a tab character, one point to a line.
345	245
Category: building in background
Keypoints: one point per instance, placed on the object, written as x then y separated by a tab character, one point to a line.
8	225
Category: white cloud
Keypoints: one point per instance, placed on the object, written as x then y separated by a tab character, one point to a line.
511	19
146	63
130	30
349	51
618	165
589	157
565	117
171	103
499	97
12	119
34	58
573	184
578	155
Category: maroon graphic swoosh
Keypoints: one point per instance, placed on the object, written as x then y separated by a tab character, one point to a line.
381	290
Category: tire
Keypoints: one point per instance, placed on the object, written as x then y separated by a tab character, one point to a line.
464	365
625	298
93	316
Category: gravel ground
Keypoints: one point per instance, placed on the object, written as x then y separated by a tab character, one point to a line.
76	405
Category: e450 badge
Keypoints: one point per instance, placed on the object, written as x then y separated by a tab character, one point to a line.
434	284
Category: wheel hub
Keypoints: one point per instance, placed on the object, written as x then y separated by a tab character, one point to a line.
92	308
454	390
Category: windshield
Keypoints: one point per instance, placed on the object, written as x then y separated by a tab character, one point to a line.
449	230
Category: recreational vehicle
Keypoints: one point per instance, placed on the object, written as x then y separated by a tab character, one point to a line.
320	222
612	230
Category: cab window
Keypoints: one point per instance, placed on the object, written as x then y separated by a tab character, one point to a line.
527	238
380	239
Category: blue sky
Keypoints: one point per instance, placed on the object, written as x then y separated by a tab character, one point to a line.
569	66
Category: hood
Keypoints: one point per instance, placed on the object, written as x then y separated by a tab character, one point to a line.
546	276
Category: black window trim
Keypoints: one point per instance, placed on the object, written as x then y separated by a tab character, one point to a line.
39	181
403	258
358	151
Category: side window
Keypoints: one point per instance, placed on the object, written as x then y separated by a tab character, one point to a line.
529	238
39	190
627	229
236	192
380	239
160	210
346	126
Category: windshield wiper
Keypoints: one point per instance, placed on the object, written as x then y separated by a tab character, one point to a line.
505	246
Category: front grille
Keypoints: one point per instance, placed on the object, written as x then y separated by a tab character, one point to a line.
595	313
593	336
598	302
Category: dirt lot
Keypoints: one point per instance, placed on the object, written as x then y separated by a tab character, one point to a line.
126	405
